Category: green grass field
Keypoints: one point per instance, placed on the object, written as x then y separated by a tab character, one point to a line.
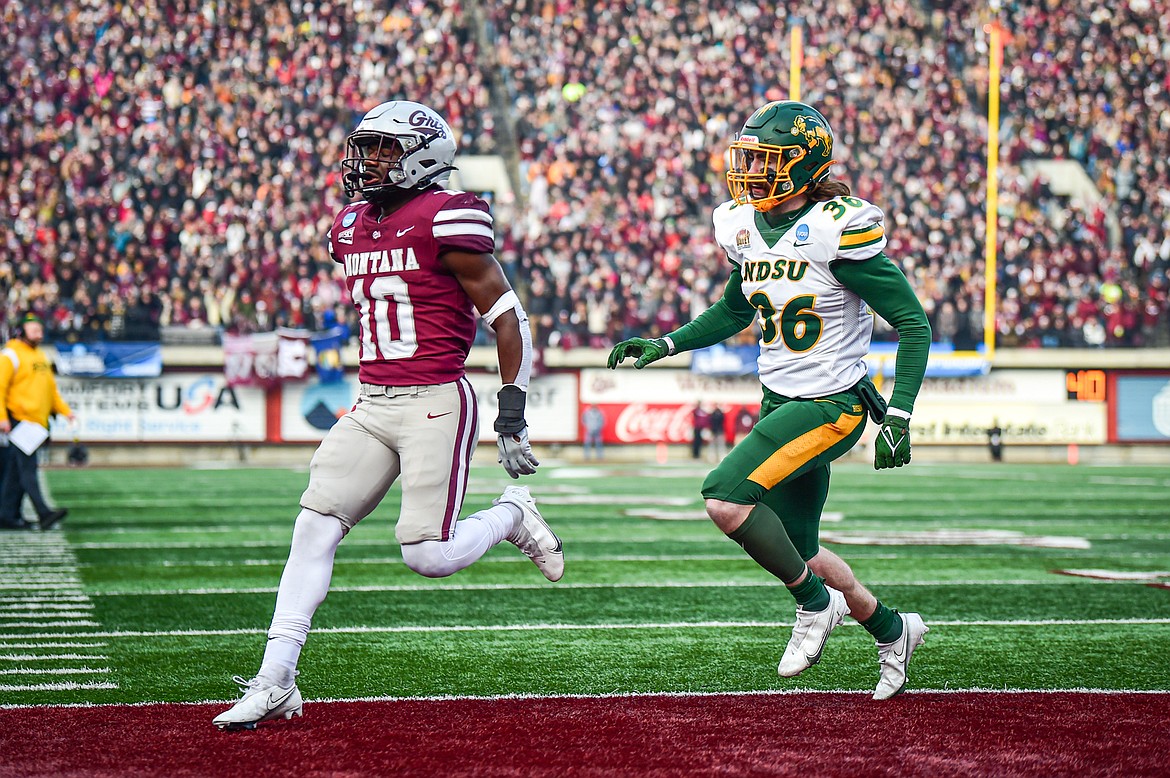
162	583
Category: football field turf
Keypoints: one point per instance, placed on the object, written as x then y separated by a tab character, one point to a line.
159	589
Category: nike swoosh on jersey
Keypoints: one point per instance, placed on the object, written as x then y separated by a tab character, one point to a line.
437	415
802	245
400	233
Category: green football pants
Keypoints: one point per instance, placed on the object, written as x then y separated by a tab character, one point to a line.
784	461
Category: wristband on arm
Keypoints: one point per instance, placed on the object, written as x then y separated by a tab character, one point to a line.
510	400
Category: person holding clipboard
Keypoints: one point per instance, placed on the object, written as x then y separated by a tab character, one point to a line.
30	395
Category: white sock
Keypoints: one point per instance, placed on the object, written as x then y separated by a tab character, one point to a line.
501	519
303	587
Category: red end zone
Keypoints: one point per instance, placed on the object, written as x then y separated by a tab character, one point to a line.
977	733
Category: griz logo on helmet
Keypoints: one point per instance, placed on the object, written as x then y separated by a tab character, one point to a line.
420	119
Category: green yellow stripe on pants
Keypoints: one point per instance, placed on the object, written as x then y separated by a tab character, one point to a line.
796	453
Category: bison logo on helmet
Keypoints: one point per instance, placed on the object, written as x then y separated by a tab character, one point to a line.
811	129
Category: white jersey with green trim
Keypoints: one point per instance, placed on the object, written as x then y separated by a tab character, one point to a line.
816	332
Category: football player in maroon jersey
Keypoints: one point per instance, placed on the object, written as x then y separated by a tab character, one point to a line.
419	267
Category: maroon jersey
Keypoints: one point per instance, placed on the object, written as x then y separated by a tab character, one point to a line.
417	323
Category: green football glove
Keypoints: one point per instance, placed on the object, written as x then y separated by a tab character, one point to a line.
892	447
646	351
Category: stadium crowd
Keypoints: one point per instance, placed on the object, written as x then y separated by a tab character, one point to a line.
177	164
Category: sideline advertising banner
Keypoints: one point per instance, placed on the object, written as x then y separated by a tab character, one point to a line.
550	410
189	407
309	409
667	387
1142	405
658	406
110	360
1031	406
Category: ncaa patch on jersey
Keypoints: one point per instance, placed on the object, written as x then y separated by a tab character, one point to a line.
802	232
743	239
349	219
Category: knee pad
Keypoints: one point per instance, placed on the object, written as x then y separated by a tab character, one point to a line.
427	559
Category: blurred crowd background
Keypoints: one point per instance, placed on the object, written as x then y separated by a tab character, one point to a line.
172	167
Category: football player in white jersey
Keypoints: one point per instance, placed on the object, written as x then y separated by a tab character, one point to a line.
809	267
419	267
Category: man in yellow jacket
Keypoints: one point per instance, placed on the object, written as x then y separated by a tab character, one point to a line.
29	393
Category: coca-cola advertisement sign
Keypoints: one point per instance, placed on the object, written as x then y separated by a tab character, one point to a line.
650	422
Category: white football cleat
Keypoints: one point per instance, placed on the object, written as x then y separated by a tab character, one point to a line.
263	700
810	633
532	535
894	657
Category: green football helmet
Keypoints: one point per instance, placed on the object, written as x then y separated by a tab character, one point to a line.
784	148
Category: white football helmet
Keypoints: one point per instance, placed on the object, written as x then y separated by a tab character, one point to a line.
397	145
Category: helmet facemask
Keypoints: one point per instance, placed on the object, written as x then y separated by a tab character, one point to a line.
374	163
760	174
398	148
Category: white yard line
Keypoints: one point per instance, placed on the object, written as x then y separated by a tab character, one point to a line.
55	671
42	590
65	686
40	614
53	644
47	624
47	657
558	627
32	605
762	584
788	692
69	600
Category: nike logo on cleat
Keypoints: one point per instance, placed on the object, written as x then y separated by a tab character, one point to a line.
437	415
275	701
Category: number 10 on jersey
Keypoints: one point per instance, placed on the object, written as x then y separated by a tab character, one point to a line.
387	318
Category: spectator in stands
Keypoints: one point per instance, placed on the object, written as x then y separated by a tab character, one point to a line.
134	159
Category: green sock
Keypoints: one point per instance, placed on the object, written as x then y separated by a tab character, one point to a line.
885	625
810	593
763	536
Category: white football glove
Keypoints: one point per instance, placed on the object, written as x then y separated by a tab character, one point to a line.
516	454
